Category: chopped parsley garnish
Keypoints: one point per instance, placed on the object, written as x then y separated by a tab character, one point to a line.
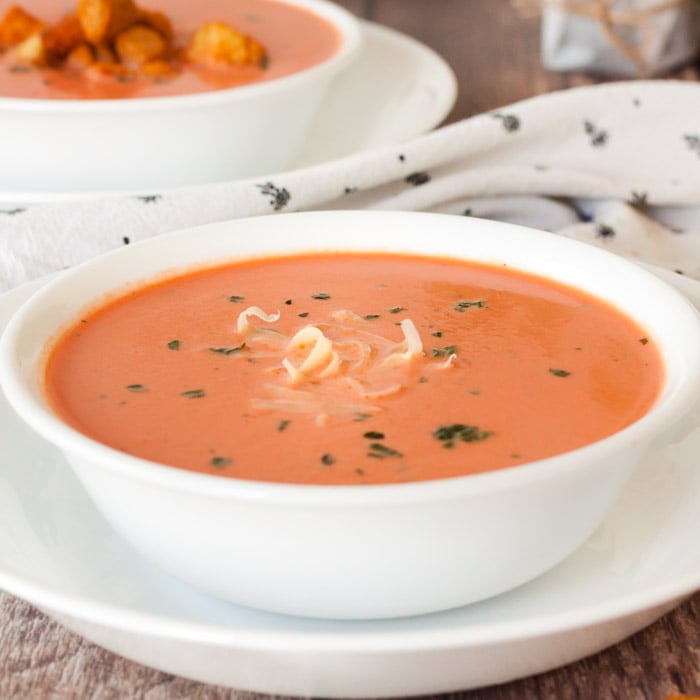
174	345
193	394
379	451
303	314
321	296
373	435
327	459
359	472
231	350
283	425
136	388
236	299
448	435
220	462
288	302
466	304
437	334
423	380
397	309
559	372
371	317
362	416
445	352
644	341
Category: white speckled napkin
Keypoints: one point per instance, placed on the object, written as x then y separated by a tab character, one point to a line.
617	165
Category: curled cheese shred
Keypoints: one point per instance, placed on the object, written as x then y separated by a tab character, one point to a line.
242	325
341	366
412	345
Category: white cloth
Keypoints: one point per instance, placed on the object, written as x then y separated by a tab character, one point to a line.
617	165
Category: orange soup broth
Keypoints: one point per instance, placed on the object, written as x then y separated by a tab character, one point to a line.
540	369
295	39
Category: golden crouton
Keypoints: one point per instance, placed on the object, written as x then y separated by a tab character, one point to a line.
80	57
157	21
104	54
16	26
30	51
138	45
100	71
102	20
64	36
158	70
216	42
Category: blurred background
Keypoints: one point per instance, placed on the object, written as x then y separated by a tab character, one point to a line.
495	46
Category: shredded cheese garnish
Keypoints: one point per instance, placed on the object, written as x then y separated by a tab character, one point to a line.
342	366
242	325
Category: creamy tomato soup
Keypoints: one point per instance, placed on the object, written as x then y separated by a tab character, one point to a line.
294	38
351	369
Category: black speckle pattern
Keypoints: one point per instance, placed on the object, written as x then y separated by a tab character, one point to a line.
510	122
417	179
598	137
279	196
604	231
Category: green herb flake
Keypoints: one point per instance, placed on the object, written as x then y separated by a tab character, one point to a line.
136	388
303	314
193	394
437	334
373	435
361	416
449	435
465	304
445	352
327	459
283	425
397	309
174	345
236	299
359	472
380	451
644	341
288	302
220	462
231	350
321	296
423	380
371	317
559	372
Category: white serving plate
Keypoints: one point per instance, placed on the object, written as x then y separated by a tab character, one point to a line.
398	88
57	553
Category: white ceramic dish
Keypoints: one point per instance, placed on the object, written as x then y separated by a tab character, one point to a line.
397	88
170	141
58	553
457	533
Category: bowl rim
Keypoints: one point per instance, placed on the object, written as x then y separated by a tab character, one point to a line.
41	418
347	25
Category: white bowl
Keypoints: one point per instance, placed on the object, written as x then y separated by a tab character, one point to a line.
141	143
359	551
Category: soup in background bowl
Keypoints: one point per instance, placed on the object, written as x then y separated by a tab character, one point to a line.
191	118
329	493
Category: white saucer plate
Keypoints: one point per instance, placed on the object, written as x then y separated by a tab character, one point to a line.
398	88
57	553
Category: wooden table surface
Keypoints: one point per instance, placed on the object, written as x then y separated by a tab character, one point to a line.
493	46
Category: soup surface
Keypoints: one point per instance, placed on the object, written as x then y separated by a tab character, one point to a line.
294	39
351	369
